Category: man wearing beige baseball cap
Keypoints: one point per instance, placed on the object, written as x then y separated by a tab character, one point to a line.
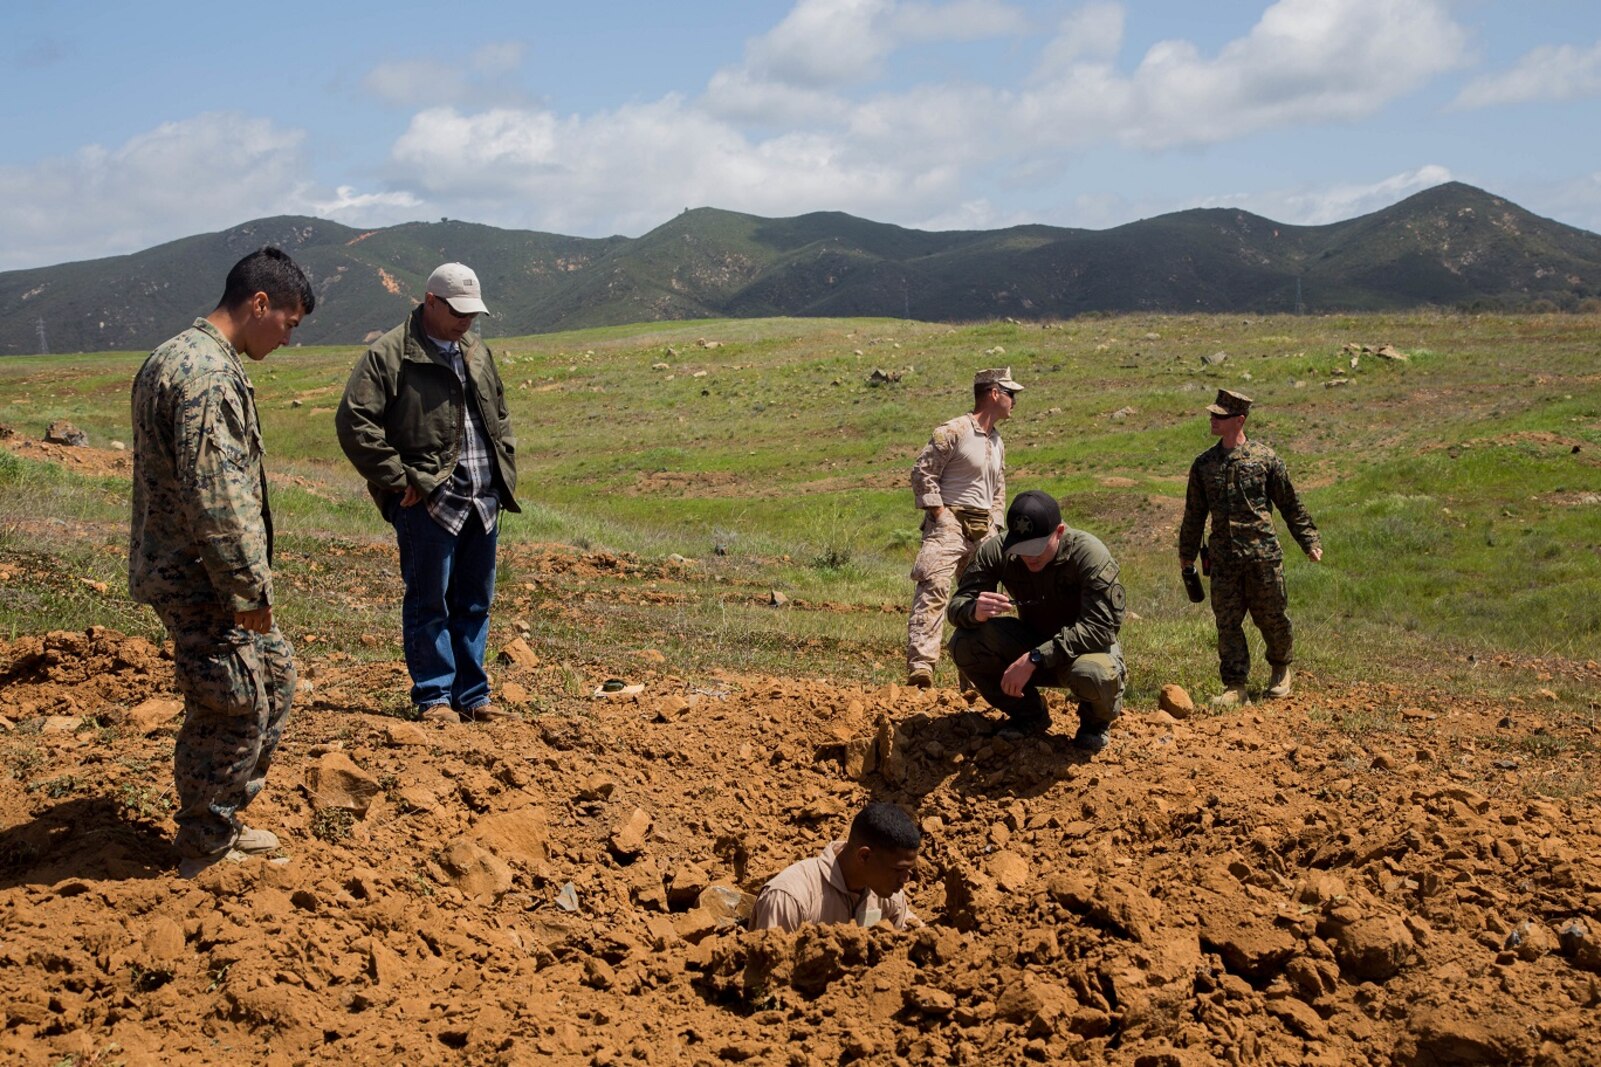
424	420
959	481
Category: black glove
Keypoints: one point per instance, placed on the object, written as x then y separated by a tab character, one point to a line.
1192	584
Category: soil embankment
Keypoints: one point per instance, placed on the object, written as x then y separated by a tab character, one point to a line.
1277	886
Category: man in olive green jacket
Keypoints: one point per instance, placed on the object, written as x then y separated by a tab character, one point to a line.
1062	584
424	420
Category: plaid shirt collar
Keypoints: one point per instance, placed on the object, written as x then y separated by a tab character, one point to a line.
471	486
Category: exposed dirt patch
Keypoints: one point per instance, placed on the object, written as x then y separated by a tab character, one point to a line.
81	458
728	484
1369	876
1541	442
683	483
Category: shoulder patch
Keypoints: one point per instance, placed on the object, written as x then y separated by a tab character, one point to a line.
1107	575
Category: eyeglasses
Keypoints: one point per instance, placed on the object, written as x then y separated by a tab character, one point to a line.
453	312
1011	394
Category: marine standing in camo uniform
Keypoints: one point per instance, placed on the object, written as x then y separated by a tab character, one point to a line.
1239	483
959	480
200	551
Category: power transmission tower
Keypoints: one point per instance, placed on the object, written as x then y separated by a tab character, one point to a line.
44	342
1300	305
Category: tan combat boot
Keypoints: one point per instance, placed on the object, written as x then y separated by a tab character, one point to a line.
1231	697
1279	684
920	678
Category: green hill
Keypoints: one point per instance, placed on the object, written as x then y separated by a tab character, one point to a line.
1452	245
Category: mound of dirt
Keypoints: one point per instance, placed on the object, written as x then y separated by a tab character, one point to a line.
81	458
1283	885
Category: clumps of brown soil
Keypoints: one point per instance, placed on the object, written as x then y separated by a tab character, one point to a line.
85	459
93	673
1366	876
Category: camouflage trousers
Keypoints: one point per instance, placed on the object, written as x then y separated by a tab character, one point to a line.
1257	587
945	554
983	653
237	687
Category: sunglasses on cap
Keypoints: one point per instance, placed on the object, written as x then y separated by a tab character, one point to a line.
454	313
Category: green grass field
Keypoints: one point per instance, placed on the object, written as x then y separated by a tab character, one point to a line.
1459	491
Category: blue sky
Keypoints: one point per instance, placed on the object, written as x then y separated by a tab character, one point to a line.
136	124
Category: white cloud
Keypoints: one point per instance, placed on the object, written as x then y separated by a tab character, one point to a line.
208	172
959	20
414	82
484	77
366	209
1552	72
828	44
916	155
739	96
802	122
1304	205
1093	33
502	57
977	214
1318	206
1304	62
822	43
630	169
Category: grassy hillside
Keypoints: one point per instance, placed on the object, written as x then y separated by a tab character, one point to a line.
1457	491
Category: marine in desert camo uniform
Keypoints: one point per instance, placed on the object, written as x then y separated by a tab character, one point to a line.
1238	483
201	549
959	480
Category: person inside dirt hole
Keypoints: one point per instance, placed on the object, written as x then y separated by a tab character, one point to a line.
860	880
1063	586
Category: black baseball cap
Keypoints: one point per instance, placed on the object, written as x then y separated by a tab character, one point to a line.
1030	522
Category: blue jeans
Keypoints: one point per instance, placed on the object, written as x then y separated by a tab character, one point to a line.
444	616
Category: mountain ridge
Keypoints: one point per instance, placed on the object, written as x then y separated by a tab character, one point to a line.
1451	246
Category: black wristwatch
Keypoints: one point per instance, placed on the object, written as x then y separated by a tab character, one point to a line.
1035	658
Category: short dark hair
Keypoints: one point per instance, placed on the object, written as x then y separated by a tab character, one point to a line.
982	388
882	825
268	270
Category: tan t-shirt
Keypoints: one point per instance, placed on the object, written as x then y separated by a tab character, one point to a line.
814	891
962	468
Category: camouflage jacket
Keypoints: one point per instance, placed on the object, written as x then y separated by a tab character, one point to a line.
1076	599
962	468
201	524
1239	488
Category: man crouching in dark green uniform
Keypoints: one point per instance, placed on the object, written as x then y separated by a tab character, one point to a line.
1063	585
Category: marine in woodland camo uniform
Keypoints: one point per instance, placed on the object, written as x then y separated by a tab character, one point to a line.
201	555
959	480
1238	487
